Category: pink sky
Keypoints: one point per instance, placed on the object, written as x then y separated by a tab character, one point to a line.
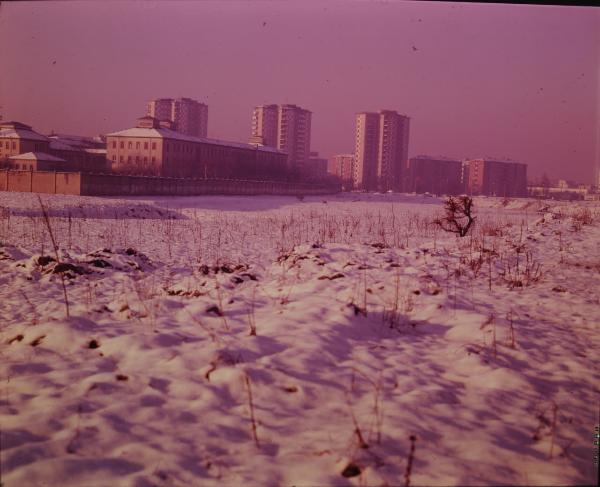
501	80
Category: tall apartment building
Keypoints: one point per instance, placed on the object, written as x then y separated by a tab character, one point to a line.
366	151
342	166
265	125
287	128
381	151
187	116
495	178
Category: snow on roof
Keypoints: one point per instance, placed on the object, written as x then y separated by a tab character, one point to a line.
95	151
18	133
37	156
58	145
166	133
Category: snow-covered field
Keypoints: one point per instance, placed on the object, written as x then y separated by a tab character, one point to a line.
341	340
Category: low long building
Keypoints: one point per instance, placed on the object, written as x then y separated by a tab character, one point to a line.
152	149
56	152
495	178
18	138
36	161
434	175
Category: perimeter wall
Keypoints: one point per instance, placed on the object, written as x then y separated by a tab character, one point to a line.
88	184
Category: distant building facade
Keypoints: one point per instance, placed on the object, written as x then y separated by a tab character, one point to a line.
81	154
562	190
366	151
265	125
495	178
36	161
316	167
381	151
287	128
342	166
57	152
154	150
187	116
18	138
434	175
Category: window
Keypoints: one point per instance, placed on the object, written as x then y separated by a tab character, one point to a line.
129	145
122	145
145	145
114	158
153	159
153	145
114	144
128	158
14	145
145	159
18	166
120	158
6	144
137	145
137	158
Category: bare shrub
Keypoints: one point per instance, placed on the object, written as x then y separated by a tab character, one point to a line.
583	216
458	216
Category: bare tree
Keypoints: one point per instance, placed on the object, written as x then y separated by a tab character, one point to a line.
458	216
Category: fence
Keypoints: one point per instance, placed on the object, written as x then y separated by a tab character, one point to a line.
89	184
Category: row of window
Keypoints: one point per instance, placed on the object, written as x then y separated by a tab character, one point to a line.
130	159
130	145
10	145
138	146
13	145
24	166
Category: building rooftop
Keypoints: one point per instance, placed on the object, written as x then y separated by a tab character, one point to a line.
58	145
435	158
14	125
166	133
36	156
18	130
75	141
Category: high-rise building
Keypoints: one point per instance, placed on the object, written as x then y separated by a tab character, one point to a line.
381	152
287	128
264	125
187	116
366	151
162	108
342	166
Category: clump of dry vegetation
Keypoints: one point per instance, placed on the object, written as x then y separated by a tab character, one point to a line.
458	216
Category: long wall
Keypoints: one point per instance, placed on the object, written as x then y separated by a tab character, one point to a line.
116	185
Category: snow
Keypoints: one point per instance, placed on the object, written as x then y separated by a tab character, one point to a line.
367	317
36	156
